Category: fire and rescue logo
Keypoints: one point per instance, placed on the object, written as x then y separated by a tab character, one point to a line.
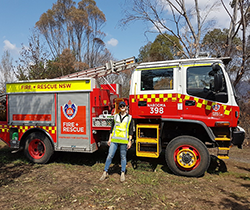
70	110
216	107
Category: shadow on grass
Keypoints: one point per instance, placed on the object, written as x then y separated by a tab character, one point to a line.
12	165
226	203
149	164
78	158
138	163
244	168
234	201
89	159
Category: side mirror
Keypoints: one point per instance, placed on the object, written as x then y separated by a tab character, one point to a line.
215	67
217	82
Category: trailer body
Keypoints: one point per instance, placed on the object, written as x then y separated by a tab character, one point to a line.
66	111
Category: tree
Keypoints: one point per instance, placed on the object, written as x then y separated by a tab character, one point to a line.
122	78
94	35
144	53
63	65
78	23
161	49
33	59
185	23
55	26
215	42
6	70
243	8
34	63
75	28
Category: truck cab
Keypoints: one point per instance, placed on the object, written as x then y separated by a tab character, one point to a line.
190	99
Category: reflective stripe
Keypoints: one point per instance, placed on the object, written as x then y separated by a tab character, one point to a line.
120	133
180	98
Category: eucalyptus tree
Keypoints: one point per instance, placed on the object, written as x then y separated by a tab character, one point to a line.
33	59
161	49
6	70
239	22
187	21
77	27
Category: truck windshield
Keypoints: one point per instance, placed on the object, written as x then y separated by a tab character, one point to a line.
157	79
200	83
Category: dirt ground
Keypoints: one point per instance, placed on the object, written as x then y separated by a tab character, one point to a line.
71	181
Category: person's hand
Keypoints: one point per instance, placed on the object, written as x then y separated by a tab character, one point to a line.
129	144
109	142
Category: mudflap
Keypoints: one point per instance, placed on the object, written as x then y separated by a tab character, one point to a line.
238	137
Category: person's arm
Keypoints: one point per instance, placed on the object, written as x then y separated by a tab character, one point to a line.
112	126
111	130
130	131
130	135
109	141
129	142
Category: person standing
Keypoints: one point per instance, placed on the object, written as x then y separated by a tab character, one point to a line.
120	135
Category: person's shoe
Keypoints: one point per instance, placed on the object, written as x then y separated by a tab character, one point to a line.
122	179
104	176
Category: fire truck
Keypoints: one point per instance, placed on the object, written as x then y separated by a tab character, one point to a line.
181	106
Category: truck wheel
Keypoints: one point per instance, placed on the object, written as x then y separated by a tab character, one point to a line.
187	156
38	147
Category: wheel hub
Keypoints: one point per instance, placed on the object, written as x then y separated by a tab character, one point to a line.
40	147
36	149
186	158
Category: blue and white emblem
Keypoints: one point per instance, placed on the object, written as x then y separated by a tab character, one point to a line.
216	107
70	110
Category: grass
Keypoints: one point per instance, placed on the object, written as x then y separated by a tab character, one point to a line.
72	180
146	178
6	156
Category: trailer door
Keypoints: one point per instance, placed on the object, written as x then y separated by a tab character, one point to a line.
74	122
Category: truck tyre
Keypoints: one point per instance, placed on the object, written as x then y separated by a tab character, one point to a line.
187	156
38	148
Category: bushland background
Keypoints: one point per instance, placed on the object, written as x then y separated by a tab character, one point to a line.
68	38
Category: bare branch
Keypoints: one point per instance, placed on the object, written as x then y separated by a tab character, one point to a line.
157	14
223	4
168	29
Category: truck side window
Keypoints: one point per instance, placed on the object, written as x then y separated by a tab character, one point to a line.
200	83
157	79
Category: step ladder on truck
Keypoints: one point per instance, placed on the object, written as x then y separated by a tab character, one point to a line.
181	106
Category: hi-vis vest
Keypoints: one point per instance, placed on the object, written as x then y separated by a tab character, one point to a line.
120	133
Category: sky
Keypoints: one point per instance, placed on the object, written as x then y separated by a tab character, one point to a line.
18	17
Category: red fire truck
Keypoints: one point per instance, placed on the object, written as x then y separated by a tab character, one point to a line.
181	106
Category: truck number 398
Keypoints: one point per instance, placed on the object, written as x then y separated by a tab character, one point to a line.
156	110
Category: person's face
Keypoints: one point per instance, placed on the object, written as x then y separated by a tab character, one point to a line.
122	107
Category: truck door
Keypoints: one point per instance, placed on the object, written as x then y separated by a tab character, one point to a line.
201	101
156	94
73	111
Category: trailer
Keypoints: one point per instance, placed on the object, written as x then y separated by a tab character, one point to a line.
182	107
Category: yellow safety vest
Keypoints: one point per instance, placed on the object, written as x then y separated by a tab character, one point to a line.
120	133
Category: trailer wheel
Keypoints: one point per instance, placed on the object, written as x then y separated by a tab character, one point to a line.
38	148
187	156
